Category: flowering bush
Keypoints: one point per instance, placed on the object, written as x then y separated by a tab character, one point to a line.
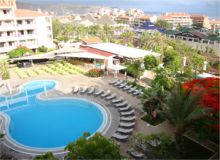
95	72
210	87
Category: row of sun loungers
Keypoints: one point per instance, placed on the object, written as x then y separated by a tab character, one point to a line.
127	117
124	86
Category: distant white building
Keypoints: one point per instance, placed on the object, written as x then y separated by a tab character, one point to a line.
20	27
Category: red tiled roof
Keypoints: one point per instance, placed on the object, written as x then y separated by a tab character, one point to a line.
96	51
8	3
177	14
28	13
214	21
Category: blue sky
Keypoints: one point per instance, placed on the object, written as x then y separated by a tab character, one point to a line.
209	7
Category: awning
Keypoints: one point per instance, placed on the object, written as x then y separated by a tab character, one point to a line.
86	55
116	67
48	55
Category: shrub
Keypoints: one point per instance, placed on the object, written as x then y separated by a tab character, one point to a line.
150	62
95	72
19	51
42	49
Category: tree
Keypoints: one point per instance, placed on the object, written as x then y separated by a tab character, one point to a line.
164	79
57	28
172	59
4	69
108	32
135	68
153	101
197	62
127	37
46	156
163	24
95	147
181	109
19	51
150	62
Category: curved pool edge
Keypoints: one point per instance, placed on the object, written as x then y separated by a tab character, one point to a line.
22	85
13	144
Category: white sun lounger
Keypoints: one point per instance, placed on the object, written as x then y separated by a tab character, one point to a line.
118	83
127	87
120	137
125	131
122	85
108	92
128	119
135	154
128	113
128	107
111	96
75	89
91	90
137	92
132	90
114	81
98	92
121	104
83	90
117	100
127	124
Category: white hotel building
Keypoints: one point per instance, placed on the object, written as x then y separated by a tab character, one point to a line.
20	27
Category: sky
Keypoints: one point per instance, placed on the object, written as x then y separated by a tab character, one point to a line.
208	7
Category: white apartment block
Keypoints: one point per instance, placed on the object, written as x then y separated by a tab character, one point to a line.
20	27
176	19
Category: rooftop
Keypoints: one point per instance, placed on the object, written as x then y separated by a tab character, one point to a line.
28	13
123	51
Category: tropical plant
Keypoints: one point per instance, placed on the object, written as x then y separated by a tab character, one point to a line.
46	156
127	37
150	62
19	51
95	147
57	27
135	68
182	108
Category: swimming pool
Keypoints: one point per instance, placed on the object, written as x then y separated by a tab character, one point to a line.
50	123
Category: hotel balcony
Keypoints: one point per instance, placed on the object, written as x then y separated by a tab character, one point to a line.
10	27
27	36
25	26
8	38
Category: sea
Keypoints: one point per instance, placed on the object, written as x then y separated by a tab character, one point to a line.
210	8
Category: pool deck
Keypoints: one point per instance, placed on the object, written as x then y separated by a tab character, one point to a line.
64	89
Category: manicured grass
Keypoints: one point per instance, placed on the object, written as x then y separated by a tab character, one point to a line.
153	122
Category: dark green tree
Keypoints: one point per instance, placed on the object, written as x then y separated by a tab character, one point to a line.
150	62
57	28
95	147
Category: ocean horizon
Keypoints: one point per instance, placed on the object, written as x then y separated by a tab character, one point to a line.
206	7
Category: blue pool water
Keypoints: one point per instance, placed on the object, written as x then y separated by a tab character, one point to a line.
50	123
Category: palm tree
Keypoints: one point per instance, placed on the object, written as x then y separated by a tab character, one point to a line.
136	69
181	109
127	37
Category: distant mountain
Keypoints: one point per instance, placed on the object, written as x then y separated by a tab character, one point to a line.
58	8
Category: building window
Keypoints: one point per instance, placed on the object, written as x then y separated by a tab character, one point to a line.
5	11
2	44
10	44
30	31
19	22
